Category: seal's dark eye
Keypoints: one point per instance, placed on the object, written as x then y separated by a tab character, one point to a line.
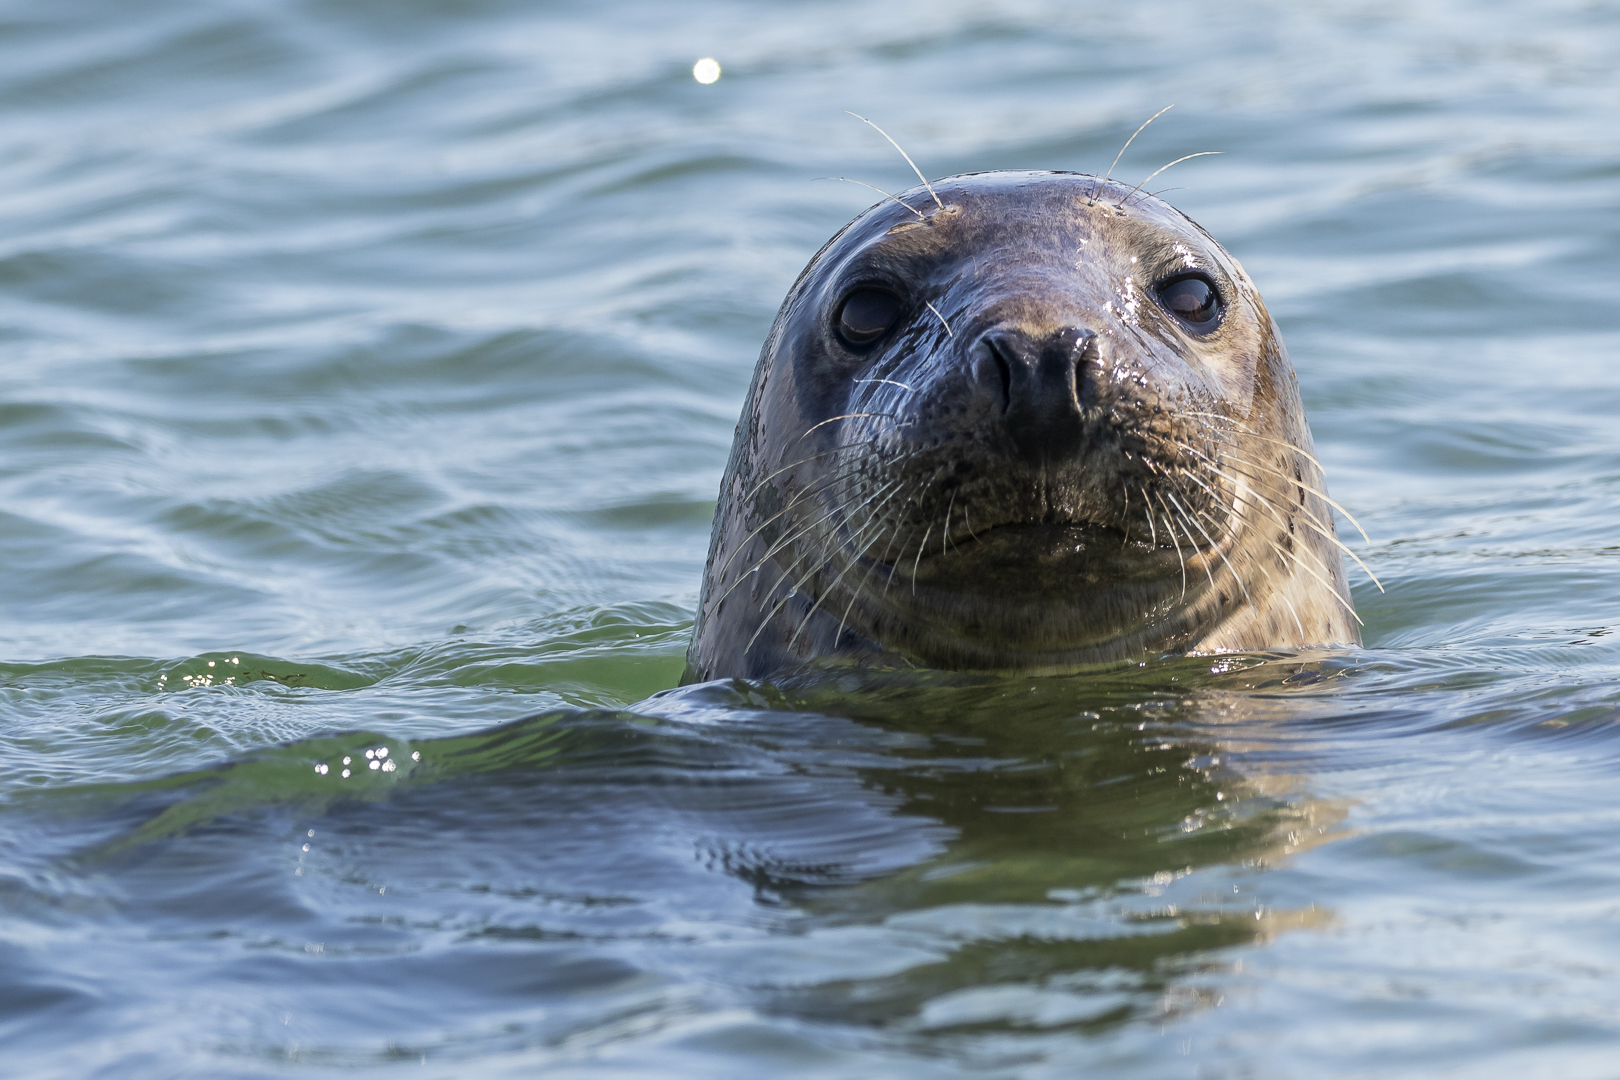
1194	301
867	315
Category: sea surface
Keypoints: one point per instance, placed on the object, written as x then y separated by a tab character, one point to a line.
367	371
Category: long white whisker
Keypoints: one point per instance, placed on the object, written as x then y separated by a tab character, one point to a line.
1245	429
827	591
1189	519
903	154
1161	168
801	461
1170	522
1305	516
918	560
824	484
880	191
846	416
790	536
1259	502
1310	520
1301	483
1127	145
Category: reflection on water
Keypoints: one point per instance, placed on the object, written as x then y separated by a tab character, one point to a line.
952	856
1096	832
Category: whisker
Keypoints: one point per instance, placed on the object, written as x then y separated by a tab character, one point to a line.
1349	607
1245	429
1215	546
1260	566
846	416
822	485
940	317
1285	553
1262	503
1171	524
789	537
1292	480
1311	521
880	191
918	560
1184	517
1126	514
1202	153
1283	595
793	590
1301	483
855	592
1127	146
1305	516
891	382
903	154
896	564
795	464
827	591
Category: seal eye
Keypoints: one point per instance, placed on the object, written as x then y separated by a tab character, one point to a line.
867	315
1194	301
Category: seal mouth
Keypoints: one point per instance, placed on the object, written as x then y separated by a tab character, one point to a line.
1030	558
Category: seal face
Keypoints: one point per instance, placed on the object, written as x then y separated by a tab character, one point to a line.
1036	423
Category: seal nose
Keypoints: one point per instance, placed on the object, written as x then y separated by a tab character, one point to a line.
1040	381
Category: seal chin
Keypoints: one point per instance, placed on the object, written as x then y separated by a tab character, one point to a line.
1035	596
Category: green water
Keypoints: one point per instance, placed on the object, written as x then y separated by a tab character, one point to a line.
368	373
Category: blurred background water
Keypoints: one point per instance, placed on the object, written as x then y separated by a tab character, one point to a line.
368	371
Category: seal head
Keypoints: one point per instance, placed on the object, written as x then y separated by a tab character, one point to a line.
1038	423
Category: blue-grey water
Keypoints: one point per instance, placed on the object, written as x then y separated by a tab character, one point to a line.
367	371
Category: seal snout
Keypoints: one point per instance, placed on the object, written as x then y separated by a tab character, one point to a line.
1040	383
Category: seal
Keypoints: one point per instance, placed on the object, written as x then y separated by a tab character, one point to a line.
1019	421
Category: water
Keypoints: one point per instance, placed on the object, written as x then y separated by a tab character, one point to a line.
368	374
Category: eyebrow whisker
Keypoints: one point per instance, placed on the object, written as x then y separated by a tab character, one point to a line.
880	191
903	154
1127	145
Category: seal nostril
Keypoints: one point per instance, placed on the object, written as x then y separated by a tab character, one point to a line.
995	367
1003	369
1086	355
